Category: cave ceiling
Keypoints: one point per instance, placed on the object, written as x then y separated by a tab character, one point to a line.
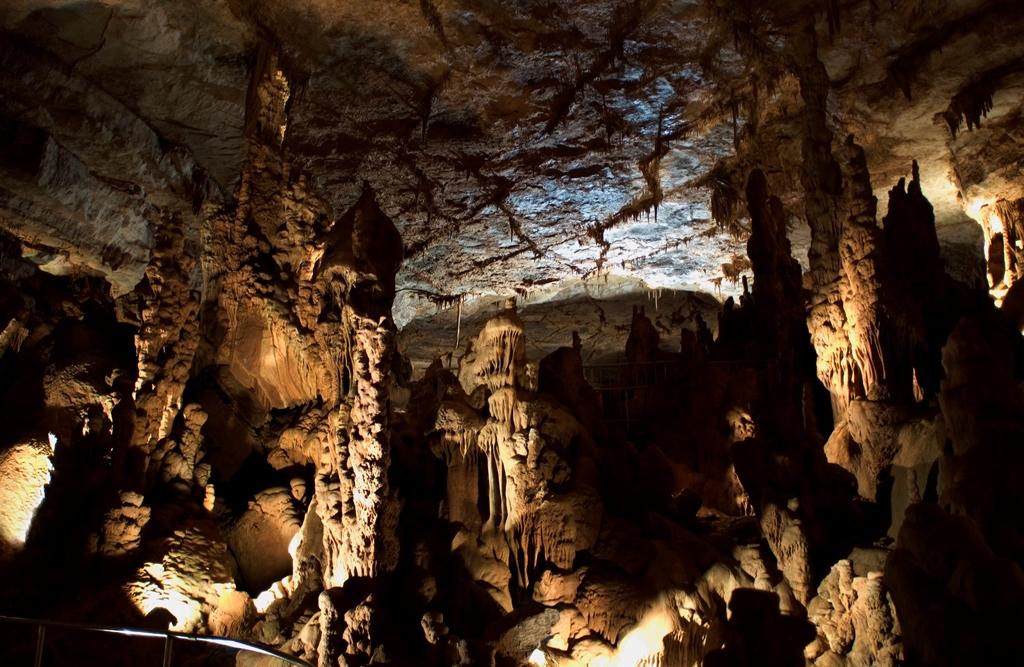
514	144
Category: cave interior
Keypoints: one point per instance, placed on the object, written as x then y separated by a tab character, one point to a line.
611	333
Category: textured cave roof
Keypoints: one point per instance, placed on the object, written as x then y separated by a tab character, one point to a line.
511	142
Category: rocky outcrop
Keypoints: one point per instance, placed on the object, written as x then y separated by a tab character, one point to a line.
943	574
855	618
87	183
981	403
25	472
184	574
261	540
535	510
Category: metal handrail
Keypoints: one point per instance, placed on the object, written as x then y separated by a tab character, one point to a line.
751	363
167	635
627	375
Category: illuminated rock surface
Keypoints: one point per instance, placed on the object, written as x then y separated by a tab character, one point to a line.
454	332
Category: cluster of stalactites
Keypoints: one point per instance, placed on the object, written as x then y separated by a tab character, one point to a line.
520	445
459	427
496	358
1003	226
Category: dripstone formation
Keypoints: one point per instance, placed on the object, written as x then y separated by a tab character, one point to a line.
615	333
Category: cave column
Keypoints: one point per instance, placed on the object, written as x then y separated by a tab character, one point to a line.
371	536
166	344
166	341
880	372
351	289
822	183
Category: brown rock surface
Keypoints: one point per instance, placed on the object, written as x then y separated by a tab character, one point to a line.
260	540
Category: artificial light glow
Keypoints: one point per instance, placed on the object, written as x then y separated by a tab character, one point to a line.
646	640
159	587
973	209
190	575
293	544
185	611
985	214
209	498
643	645
24	473
263	601
130	632
995	222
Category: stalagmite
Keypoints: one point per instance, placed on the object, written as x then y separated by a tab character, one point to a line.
822	181
778	305
877	374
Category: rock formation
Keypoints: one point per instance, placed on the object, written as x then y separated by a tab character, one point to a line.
525	333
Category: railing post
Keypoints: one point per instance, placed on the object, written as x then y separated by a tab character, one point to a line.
167	650
40	640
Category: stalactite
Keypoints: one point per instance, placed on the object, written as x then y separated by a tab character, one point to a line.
458	325
724	198
460	429
488	440
496	358
973	101
502	406
1002	224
